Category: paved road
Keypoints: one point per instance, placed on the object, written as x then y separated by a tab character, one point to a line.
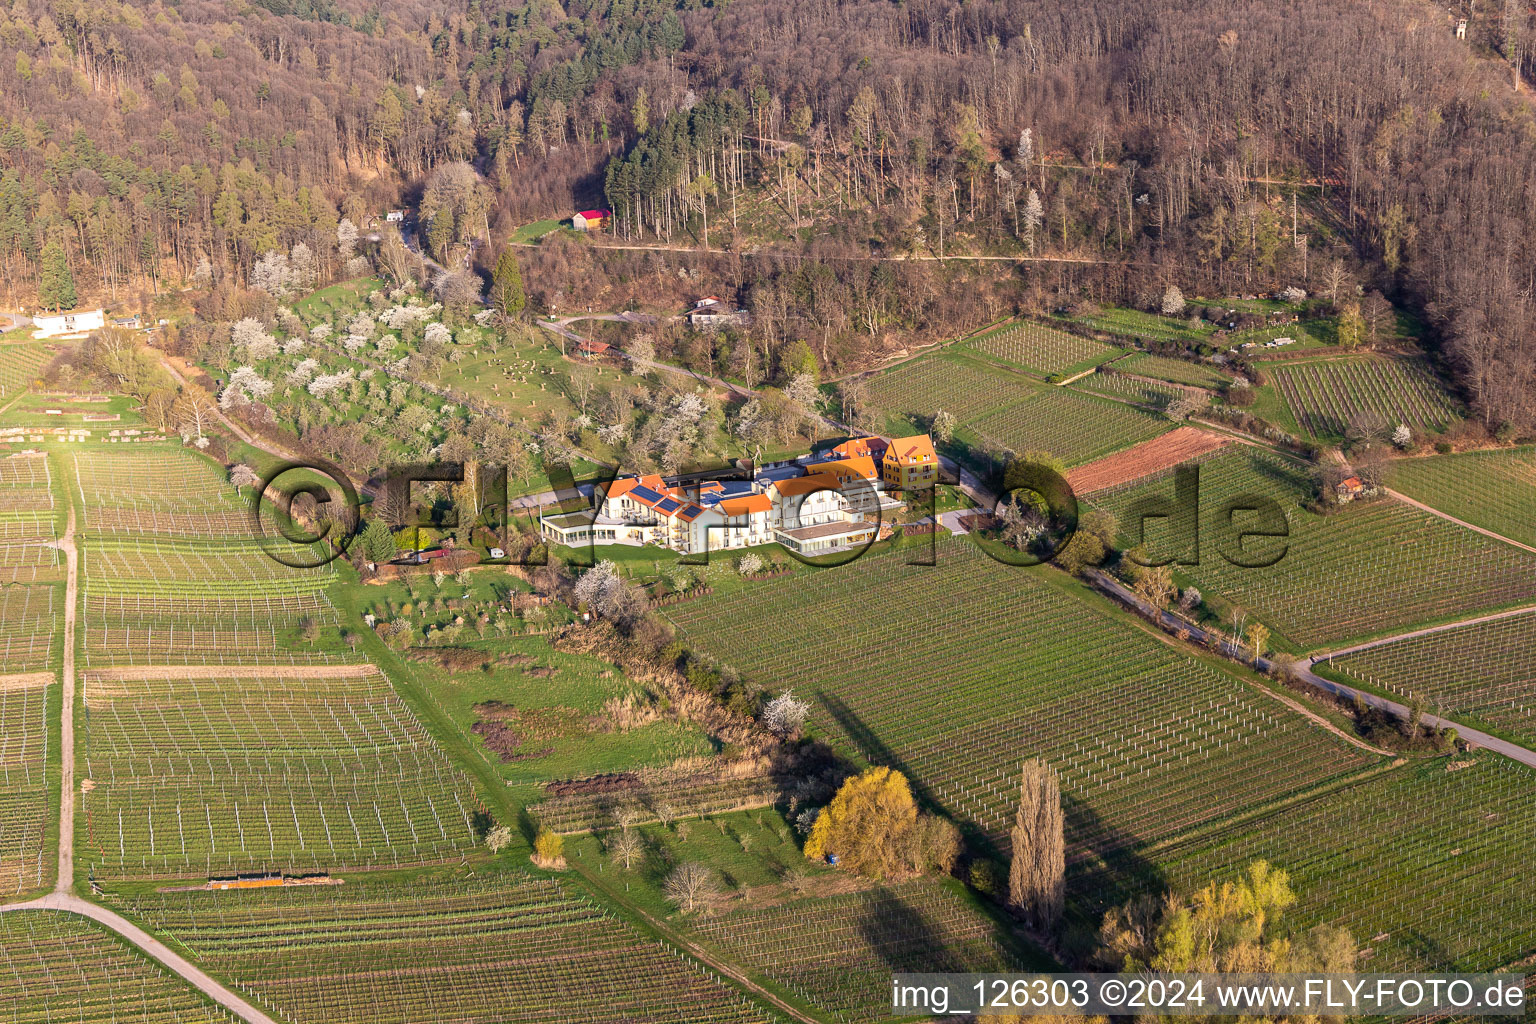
62	902
1303	671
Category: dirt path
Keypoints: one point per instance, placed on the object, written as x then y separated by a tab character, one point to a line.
63	902
1459	522
255	442
65	883
1426	631
1297	707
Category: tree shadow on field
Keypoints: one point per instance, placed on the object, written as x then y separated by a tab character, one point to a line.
865	740
1113	872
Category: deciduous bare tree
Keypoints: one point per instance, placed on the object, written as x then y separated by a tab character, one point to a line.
1037	875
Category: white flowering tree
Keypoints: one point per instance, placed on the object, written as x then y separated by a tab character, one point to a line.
303	373
327	383
786	714
251	337
245	386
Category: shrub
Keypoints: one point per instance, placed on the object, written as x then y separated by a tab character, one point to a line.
988	877
549	849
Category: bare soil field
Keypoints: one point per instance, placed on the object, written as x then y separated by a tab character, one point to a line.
1144	459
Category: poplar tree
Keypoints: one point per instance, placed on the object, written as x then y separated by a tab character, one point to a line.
1037	877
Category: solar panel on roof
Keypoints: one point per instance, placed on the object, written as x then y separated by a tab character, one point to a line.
646	494
667	505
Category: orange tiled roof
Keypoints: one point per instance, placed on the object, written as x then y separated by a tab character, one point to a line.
805	484
624	484
848	469
857	446
911	450
746	505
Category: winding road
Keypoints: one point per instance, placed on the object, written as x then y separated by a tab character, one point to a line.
1303	669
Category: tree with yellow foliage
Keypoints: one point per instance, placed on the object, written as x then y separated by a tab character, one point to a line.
1231	926
873	827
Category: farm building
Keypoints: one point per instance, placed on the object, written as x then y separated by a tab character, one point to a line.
591	220
73	321
1350	488
712	312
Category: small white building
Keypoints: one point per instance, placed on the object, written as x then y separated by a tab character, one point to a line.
711	313
69	322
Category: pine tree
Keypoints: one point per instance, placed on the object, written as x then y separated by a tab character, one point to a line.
1037	877
55	284
507	286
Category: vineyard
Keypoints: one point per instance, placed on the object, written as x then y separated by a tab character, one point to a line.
1178	371
57	967
164	601
23	781
1495	490
1427	865
958	691
252	769
1118	385
1481	671
26	627
28	522
1326	396
1366	569
1040	349
1075	428
157	491
490	951
915	391
20	365
839	953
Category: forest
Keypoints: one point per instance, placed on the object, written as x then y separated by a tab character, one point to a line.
801	154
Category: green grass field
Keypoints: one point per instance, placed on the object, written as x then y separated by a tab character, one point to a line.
1480	674
493	949
1324	396
1370	568
963	669
1495	490
58	967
